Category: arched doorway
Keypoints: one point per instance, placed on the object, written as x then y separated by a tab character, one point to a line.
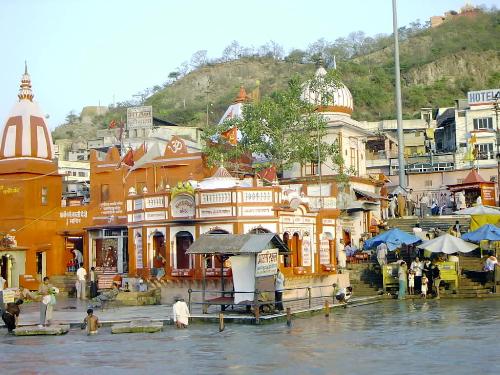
159	243
6	269
183	240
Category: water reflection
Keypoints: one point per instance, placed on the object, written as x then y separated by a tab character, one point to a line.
406	337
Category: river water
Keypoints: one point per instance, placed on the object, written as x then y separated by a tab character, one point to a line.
421	337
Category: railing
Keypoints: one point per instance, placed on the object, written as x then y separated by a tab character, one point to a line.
307	295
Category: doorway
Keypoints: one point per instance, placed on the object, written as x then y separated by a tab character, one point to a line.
295	250
183	240
6	269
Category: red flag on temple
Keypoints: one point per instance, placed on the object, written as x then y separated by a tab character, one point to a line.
231	135
268	174
112	124
128	159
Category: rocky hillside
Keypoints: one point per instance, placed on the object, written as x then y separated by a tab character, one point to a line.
438	65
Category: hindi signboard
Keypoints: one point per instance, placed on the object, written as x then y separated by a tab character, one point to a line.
266	263
140	117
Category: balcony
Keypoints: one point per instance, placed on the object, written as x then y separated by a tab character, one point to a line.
425	163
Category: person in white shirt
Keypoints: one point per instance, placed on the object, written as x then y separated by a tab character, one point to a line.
81	274
424	205
279	285
181	313
341	255
382	254
417	231
417	267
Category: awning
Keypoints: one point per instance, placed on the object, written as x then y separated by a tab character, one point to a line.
237	244
369	195
361	206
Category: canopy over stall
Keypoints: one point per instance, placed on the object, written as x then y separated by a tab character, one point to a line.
254	260
486	232
447	244
394	238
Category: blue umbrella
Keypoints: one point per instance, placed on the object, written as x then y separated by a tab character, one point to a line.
394	238
486	232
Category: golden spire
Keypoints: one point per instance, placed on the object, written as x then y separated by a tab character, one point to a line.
25	88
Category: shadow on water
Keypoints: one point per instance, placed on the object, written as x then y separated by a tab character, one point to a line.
394	337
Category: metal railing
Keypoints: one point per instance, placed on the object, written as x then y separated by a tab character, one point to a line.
256	304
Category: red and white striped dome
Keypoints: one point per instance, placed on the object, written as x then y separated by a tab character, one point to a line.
339	97
25	133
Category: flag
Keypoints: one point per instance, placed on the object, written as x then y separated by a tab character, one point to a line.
112	124
153	153
268	174
231	135
128	159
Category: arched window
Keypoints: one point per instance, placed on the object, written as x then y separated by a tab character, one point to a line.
214	261
288	257
259	230
295	248
183	240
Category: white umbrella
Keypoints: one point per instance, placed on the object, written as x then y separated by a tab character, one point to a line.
448	244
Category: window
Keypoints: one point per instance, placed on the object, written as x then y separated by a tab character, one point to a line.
45	196
483	123
485	151
81	174
311	169
104	193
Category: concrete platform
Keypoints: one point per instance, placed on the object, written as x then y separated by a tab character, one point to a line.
137	326
53	330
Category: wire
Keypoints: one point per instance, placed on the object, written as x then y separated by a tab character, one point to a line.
30	178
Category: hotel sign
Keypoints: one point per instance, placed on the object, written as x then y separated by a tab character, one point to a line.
483	97
140	117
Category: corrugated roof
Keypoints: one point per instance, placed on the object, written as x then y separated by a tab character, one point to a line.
233	244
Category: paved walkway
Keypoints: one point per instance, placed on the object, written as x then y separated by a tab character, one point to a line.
72	311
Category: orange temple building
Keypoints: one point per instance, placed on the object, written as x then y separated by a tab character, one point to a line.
150	205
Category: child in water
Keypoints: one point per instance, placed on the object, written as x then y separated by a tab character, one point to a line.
411	282
425	281
91	323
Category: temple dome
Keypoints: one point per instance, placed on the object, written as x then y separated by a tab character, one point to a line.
339	100
25	133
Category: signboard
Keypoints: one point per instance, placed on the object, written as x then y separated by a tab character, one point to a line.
266	263
183	206
483	97
257	211
111	208
324	251
306	251
140	117
138	248
216	211
73	217
155	202
156	215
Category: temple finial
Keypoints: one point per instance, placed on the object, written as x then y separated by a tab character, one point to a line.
25	88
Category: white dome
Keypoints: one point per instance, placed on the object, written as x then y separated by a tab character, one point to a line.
339	100
25	133
221	179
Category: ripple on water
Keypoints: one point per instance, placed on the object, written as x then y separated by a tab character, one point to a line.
386	338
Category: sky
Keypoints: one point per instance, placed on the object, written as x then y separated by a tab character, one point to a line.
91	52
